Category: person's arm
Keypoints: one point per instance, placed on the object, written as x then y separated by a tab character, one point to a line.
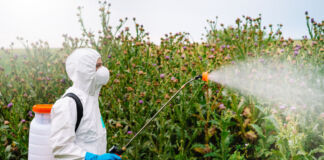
62	137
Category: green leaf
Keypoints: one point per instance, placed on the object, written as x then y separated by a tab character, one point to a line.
258	130
273	121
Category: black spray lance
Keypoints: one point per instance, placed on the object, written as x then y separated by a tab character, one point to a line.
118	151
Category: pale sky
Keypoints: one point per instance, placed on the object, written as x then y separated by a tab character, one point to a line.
49	19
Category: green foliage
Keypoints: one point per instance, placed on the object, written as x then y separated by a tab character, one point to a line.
205	121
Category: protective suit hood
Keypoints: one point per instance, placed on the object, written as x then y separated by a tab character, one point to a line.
90	137
81	69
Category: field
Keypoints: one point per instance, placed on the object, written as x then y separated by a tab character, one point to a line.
205	121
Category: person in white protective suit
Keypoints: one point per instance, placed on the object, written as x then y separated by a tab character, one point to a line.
84	68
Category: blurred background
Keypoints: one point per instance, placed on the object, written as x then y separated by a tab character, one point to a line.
48	20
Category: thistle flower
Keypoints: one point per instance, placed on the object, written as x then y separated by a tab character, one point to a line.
282	107
30	114
296	52
162	75
184	47
23	121
10	105
109	56
221	106
167	57
154	64
212	49
173	78
62	80
130	132
140	101
6	122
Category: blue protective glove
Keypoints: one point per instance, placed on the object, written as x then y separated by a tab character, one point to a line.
106	156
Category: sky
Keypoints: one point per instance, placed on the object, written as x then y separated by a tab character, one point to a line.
48	20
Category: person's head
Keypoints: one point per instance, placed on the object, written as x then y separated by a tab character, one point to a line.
84	68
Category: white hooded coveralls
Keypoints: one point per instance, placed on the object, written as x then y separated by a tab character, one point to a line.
91	133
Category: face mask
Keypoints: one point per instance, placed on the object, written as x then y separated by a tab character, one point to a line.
102	76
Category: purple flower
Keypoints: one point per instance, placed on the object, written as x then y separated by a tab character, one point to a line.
109	56
182	56
223	46
293	108
212	49
130	132
23	121
296	52
221	106
162	75
30	114
282	107
184	47
233	62
154	64
140	101
297	47
255	44
207	45
200	57
173	78
228	46
312	20
63	80
10	105
167	57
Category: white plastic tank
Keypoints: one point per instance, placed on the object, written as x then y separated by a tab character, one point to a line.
39	132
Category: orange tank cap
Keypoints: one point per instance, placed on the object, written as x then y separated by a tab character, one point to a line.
205	76
42	108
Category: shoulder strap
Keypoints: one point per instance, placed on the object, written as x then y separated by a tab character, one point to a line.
79	108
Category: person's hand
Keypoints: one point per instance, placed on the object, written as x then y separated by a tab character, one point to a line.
106	156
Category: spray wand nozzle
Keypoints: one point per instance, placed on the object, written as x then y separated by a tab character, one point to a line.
203	76
116	150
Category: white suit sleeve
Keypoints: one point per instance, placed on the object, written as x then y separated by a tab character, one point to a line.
62	137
